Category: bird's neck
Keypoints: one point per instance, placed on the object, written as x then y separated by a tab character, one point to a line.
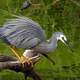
52	44
46	47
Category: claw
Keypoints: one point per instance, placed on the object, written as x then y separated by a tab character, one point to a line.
27	60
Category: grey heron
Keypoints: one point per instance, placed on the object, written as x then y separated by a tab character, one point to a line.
22	32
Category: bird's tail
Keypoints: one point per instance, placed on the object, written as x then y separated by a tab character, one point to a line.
1	32
3	37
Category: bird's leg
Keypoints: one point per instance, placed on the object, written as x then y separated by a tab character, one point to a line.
26	60
22	59
13	49
30	60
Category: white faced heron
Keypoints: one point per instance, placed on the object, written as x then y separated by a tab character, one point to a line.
22	32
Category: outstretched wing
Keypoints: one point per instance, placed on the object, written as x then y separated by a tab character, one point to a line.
22	32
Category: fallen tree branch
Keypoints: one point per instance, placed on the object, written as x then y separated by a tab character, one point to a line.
11	63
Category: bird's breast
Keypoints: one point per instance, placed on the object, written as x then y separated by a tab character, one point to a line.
29	53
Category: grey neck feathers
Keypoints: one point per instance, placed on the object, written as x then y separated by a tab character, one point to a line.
52	43
46	47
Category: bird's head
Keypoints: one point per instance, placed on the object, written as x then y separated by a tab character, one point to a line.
60	36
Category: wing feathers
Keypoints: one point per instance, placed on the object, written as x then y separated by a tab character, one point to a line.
23	32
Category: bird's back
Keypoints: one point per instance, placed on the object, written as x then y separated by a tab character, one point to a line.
22	32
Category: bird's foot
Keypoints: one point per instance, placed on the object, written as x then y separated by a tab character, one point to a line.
26	60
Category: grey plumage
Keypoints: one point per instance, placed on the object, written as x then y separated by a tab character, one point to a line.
22	32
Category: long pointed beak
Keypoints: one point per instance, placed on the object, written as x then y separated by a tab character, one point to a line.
68	45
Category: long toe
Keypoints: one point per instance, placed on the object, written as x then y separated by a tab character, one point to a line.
26	60
29	62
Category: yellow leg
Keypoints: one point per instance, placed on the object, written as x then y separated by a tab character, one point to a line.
13	49
22	59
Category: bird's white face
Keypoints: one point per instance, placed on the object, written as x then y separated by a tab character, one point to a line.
62	38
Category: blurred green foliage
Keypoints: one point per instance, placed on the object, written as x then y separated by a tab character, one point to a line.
52	15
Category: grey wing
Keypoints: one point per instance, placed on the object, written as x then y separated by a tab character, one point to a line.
23	32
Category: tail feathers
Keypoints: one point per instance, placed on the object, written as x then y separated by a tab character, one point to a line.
3	37
6	40
1	30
